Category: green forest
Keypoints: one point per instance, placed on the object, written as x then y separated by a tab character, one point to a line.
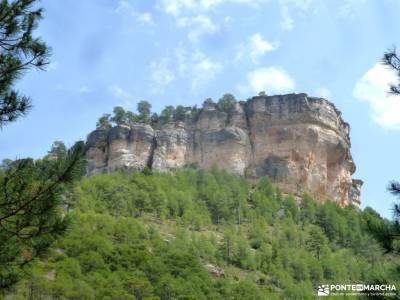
194	234
202	234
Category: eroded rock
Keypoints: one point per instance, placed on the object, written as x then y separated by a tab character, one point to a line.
300	142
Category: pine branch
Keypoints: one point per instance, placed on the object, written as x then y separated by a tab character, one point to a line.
394	188
392	60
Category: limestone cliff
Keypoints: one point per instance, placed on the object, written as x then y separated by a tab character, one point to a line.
300	142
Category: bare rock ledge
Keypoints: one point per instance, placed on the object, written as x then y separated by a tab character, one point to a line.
300	142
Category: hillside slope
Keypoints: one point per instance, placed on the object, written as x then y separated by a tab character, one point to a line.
203	235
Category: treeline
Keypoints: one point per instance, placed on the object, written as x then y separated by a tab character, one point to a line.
170	113
204	235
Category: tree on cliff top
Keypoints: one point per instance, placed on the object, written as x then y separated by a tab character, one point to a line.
227	103
180	113
144	109
167	114
30	191
119	116
104	122
20	51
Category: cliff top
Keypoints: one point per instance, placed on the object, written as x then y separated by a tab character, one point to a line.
294	107
300	142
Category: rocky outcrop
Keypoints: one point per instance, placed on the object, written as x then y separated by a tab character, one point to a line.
300	142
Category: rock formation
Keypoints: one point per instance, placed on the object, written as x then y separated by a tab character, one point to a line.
300	142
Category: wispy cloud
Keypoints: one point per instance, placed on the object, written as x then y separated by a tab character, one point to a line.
161	75
272	80
119	92
145	18
84	89
198	26
125	8
323	93
175	7
52	66
193	66
178	7
349	8
205	71
373	88
256	47
287	22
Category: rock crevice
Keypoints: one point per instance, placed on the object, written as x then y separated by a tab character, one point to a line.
300	142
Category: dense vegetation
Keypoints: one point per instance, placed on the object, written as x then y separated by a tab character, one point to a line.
170	113
196	235
203	235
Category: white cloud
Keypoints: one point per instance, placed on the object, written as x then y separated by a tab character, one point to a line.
85	89
271	80
174	7
198	26
323	93
228	19
349	8
205	71
192	66
210	3
256	47
287	22
125	8
145	18
206	4
118	92
178	7
373	88
161	75
124	98
181	59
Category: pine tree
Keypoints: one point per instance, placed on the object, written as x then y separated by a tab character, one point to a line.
19	52
227	103
119	116
31	192
144	109
31	216
180	113
131	118
167	114
104	122
317	241
389	233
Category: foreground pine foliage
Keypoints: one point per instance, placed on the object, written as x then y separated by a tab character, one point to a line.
203	235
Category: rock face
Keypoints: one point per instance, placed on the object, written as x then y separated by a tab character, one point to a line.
300	142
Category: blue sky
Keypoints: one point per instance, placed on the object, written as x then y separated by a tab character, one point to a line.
109	52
